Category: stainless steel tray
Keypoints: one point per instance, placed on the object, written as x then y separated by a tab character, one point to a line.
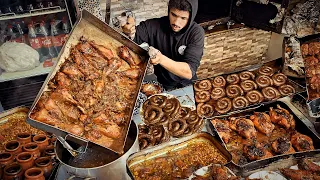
300	127
161	150
94	29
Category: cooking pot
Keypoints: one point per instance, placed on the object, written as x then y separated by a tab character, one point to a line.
98	162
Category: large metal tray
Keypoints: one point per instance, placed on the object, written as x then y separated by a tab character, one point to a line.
94	29
163	149
300	127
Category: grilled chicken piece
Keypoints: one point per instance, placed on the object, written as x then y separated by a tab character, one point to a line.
150	89
244	127
299	174
115	64
62	80
256	151
44	116
73	128
262	122
133	73
124	54
102	50
63	95
222	126
112	130
282	146
71	70
302	142
308	165
282	117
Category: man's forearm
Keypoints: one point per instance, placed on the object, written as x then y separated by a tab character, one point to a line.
181	69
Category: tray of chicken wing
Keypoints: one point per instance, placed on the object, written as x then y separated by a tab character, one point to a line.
92	91
264	132
231	93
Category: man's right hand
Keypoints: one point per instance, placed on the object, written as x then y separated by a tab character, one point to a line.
129	27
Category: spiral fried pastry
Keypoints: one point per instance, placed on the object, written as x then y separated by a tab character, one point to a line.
240	102
266	70
218	93
223	105
193	118
152	114
177	127
198	126
264	81
279	79
202	96
144	129
270	93
184	112
254	97
206	110
164	120
146	140
203	85
218	81
233	79
158	100
189	130
159	134
172	108
248	85
246	75
233	91
286	90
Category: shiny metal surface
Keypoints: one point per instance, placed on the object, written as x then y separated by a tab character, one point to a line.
91	27
113	170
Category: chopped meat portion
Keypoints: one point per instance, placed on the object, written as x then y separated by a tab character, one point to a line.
223	129
262	122
302	142
282	146
256	151
244	127
282	117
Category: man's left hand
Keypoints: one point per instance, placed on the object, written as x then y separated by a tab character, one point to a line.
155	55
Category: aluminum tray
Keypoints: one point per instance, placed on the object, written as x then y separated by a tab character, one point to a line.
94	29
300	127
161	150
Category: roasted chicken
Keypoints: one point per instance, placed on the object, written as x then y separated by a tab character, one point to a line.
282	117
299	174
256	151
102	50
302	142
282	146
223	129
262	122
308	165
244	127
124	54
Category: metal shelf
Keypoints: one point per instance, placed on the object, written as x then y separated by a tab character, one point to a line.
35	12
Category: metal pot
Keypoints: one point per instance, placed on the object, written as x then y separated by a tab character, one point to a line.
98	162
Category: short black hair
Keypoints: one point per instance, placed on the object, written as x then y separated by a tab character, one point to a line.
182	5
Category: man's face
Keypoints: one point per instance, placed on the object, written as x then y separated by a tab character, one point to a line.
178	19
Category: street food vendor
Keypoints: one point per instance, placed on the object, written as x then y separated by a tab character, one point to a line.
175	43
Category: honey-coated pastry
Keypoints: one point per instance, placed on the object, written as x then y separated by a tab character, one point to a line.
203	85
282	117
246	75
244	127
254	97
310	61
262	122
286	90
233	79
158	100
270	93
184	112
202	96
248	85
304	49
205	110
146	140
218	81
223	105
177	127
159	134
198	126
222	127
279	79
164	120
152	114
264	81
313	70
172	107
193	118
218	93
302	142
265	70
240	102
282	146
314	48
233	91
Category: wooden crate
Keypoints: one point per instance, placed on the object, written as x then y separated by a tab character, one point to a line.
233	50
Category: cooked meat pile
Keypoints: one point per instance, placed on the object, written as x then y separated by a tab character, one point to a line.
311	54
307	170
262	136
217	172
90	96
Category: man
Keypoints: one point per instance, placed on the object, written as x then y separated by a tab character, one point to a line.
176	43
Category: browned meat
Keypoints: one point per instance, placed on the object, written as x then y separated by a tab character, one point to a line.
71	70
73	128
124	54
112	130
256	151
282	146
102	50
44	116
305	49
302	142
244	127
223	129
262	122
308	165
282	117
311	60
115	63
298	174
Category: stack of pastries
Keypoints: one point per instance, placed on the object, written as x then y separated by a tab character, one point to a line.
311	54
221	94
261	135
